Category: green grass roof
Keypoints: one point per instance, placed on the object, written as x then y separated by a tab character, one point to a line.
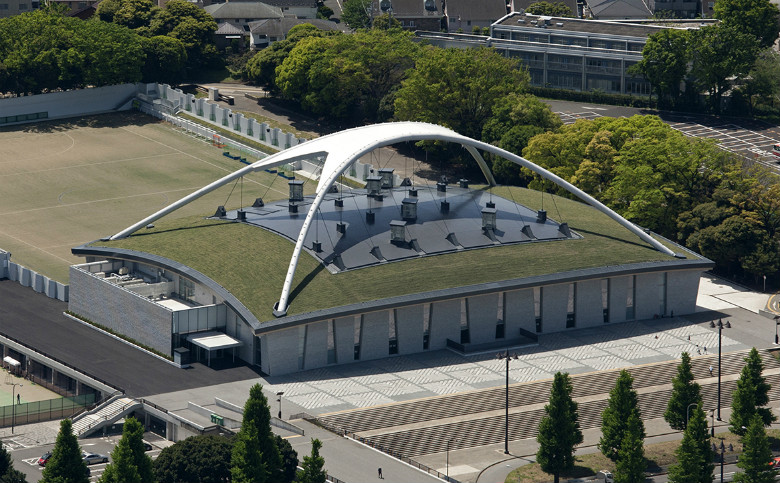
251	262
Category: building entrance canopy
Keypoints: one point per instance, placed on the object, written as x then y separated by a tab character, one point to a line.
212	341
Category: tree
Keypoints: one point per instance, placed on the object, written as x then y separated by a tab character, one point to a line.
355	13
684	393
190	24
559	430
630	466
166	59
324	12
516	119
751	394
133	14
621	407
758	18
720	52
552	9
762	84
66	463
130	461
205	459
8	474
313	471
289	458
386	22
756	452
122	469
665	62
694	456
255	454
458	88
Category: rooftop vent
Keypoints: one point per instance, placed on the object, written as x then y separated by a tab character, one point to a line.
221	213
463	183
258	203
520	20
441	186
370	217
444	207
338	202
296	190
385	5
292	208
488	219
430	5
241	215
341	228
541	216
559	24
398	233
387	177
413	192
534	22
373	185
409	209
564	229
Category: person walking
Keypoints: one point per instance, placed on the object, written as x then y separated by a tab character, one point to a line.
379	470
18	399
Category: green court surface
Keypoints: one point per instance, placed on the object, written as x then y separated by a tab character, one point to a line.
69	182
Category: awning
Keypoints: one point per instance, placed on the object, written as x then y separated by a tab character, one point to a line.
214	340
10	360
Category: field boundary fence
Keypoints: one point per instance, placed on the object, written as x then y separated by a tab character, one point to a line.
46	410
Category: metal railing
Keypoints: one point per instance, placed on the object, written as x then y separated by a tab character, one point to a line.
47	410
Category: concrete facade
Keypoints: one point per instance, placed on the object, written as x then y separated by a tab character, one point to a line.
409	325
482	318
519	312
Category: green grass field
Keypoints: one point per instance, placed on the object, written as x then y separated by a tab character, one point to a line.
256	277
64	183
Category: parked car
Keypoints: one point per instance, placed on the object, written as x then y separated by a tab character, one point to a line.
92	458
775	463
147	446
44	458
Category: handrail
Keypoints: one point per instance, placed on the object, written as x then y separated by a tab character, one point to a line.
110	416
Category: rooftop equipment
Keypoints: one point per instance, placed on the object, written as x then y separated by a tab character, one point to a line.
296	190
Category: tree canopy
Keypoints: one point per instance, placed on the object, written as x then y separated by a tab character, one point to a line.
129	459
751	395
8	474
758	18
552	9
559	430
66	463
623	405
313	465
255	455
694	456
356	13
665	63
756	452
685	392
205	459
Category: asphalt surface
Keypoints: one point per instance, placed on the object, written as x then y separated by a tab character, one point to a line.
37	321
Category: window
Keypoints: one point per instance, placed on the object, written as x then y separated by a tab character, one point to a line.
392	335
358	327
23	6
605	299
571	320
427	315
411	23
465	336
3	6
630	295
538	308
331	342
662	295
500	324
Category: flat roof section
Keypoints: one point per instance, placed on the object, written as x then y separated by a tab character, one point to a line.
213	340
603	27
432	232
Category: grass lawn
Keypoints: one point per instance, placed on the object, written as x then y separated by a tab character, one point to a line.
256	277
659	457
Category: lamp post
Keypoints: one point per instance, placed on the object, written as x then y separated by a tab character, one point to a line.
279	398
688	413
720	325
13	402
506	356
777	322
447	475
722	448
712	415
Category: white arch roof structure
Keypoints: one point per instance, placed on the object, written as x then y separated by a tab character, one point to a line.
342	149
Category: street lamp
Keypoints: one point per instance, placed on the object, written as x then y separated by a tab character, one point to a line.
447	476
712	415
722	455
506	356
13	402
720	325
279	398
777	322
688	413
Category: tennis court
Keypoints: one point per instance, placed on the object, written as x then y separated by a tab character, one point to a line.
64	183
28	391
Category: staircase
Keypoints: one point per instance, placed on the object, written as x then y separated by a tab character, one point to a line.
104	415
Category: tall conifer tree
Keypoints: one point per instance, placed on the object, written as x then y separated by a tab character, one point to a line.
623	404
694	456
559	430
684	393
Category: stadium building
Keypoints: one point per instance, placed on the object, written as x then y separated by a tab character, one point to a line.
334	274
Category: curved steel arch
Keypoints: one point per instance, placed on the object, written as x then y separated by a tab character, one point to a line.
344	148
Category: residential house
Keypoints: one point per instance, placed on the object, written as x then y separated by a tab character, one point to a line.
265	32
412	14
241	14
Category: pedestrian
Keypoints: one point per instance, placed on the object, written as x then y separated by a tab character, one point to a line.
705	349
18	399
710	369
698	351
379	470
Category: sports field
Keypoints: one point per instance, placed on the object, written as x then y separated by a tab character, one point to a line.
64	183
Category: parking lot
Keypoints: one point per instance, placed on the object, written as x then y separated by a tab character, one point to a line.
751	139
